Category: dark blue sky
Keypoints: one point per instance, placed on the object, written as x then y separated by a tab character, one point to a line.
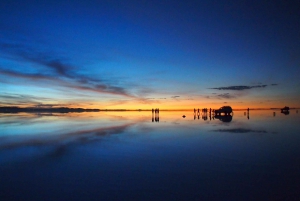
129	54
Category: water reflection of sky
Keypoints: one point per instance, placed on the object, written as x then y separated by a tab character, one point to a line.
124	155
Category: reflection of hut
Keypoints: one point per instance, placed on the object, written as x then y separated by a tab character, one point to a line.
224	118
285	110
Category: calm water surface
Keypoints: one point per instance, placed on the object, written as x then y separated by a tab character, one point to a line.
138	156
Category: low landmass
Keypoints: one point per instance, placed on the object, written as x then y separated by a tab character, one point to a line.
46	110
15	109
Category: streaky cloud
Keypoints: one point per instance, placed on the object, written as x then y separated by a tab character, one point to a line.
63	72
239	130
240	87
226	96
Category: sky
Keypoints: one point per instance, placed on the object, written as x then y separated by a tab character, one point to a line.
139	54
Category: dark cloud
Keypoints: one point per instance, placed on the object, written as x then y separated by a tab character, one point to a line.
41	105
155	98
59	67
63	73
19	100
32	76
274	84
241	87
239	130
226	96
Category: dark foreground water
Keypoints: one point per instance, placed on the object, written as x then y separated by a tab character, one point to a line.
137	156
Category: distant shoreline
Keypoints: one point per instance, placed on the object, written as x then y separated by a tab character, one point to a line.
80	110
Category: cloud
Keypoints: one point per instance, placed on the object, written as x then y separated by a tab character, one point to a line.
274	84
19	100
68	138
239	130
175	96
226	96
240	87
63	73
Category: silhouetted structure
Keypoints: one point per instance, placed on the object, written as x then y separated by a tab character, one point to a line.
226	110
155	115
224	118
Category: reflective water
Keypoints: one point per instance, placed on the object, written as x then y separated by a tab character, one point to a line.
137	155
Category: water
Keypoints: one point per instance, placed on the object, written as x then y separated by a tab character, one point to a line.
136	156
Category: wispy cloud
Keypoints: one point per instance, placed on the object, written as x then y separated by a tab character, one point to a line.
22	100
59	70
239	130
226	96
240	87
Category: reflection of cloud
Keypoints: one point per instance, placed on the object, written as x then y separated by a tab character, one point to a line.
67	138
239	130
241	87
274	84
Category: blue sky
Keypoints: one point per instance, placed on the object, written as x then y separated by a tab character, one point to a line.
145	54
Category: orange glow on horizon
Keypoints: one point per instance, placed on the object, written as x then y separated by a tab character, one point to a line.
166	105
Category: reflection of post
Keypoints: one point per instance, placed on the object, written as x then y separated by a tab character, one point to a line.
204	114
274	113
152	116
248	113
156	115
